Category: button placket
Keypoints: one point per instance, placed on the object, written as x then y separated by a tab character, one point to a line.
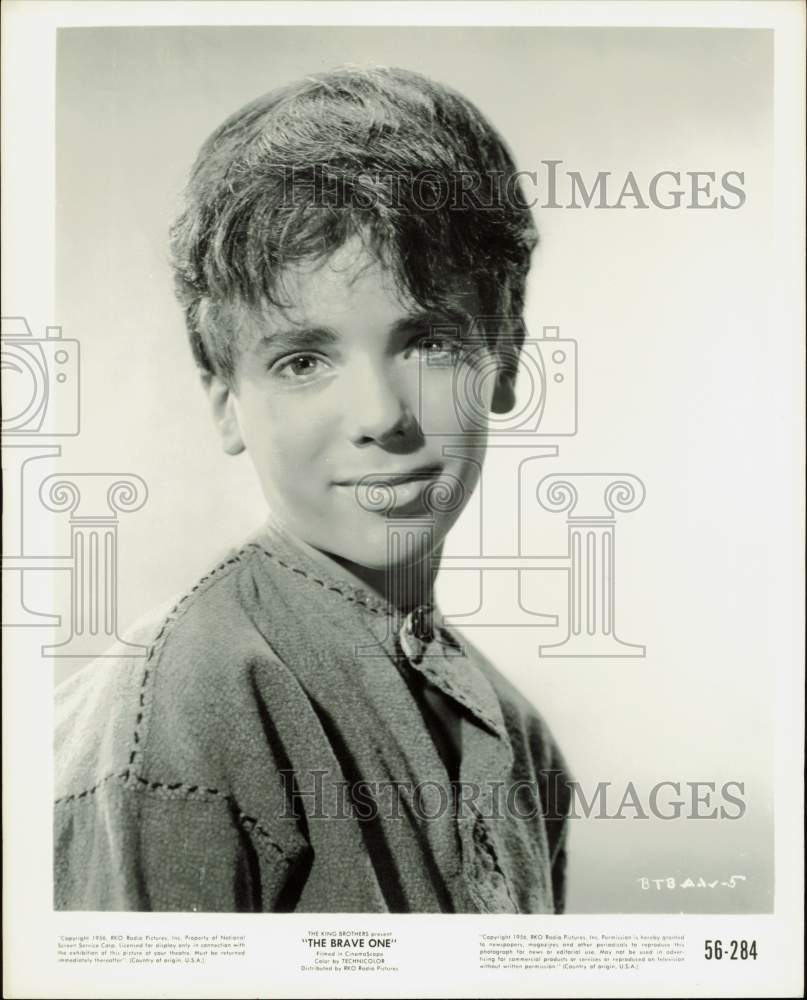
485	763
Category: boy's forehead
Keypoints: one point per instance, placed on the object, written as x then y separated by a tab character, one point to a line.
351	271
353	280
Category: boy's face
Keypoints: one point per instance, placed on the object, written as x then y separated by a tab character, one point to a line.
355	381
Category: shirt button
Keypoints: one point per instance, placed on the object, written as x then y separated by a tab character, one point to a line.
422	624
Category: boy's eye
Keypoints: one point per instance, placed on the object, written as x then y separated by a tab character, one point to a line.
298	367
437	348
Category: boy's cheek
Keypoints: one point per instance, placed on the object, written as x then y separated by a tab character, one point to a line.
457	400
280	427
437	404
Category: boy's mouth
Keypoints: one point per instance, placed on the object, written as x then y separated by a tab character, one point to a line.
423	473
401	491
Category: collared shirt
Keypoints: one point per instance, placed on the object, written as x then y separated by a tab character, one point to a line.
290	742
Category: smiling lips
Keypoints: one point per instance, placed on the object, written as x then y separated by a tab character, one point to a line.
403	491
424	473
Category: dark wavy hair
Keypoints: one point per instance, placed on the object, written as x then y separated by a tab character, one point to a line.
407	164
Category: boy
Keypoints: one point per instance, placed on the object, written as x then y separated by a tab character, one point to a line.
304	733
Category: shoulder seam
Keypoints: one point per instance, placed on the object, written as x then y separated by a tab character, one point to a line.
129	779
154	647
158	642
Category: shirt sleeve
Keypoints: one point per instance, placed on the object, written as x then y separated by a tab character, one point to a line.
192	825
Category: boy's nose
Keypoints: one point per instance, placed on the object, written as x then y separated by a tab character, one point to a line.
377	410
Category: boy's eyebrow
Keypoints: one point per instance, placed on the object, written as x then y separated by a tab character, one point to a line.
299	336
431	318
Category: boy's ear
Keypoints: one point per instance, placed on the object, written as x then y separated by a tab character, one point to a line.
504	393
225	415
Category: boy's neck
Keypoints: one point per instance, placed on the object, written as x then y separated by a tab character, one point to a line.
404	586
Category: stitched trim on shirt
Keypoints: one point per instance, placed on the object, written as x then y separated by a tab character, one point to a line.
155	646
324	583
132	781
173	615
160	789
159	641
135	783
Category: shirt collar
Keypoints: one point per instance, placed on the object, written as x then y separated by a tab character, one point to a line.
296	555
443	659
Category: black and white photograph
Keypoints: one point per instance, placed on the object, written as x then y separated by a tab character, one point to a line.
403	500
